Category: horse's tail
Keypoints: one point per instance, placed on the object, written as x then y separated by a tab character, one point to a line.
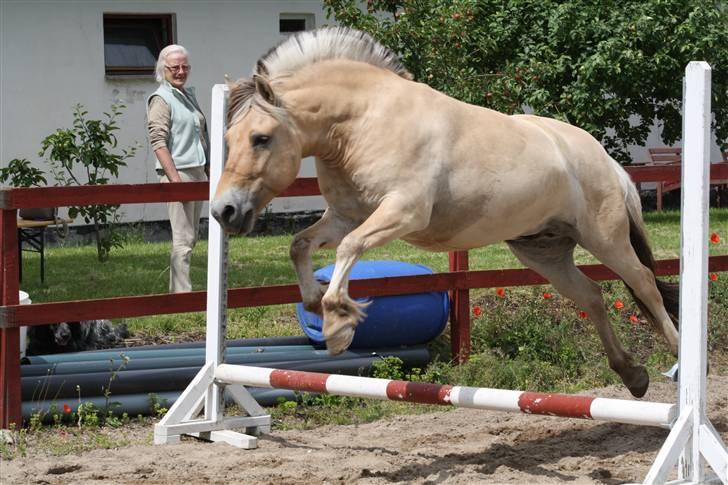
670	292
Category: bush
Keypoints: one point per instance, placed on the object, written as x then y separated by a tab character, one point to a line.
89	148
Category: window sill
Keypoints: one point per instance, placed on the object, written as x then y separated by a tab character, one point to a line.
135	77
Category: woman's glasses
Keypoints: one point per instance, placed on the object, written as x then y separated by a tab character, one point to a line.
181	67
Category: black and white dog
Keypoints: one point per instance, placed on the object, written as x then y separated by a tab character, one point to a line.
74	337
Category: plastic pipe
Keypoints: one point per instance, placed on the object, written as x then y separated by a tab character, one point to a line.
136	404
172	379
85	367
241	342
117	353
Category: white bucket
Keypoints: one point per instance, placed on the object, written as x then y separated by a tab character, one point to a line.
24	300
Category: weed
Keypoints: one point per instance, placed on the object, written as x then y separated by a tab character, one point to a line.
159	407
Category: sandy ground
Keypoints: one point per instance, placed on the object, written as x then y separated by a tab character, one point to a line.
452	447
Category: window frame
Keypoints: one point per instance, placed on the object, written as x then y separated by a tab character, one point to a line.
168	24
309	20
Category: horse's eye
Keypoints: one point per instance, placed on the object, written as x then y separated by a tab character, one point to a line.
260	141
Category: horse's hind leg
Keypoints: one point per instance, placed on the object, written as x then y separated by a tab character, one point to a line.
327	232
619	255
552	257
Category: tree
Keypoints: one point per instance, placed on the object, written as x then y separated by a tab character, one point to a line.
85	155
610	67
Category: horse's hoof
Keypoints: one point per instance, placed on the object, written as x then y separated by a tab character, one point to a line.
314	307
340	341
636	379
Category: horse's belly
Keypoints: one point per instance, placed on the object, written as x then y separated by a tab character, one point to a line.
475	235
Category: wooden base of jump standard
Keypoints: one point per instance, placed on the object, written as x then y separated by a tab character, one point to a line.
182	418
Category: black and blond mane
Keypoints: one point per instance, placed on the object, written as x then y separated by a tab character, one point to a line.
306	48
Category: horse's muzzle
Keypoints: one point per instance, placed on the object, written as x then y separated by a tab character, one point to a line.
234	215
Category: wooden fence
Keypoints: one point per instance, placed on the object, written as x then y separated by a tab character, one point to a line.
458	281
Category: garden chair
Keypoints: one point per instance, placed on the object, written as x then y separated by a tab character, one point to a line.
665	156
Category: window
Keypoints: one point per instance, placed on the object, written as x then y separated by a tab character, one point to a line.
290	23
132	42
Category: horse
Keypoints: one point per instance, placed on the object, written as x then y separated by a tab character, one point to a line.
396	159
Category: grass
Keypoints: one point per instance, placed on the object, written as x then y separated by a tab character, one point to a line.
520	341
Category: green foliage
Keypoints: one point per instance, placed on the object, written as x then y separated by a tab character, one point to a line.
612	68
21	174
388	368
160	407
13	443
85	155
88	415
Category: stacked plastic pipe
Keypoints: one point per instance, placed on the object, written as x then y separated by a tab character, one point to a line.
132	375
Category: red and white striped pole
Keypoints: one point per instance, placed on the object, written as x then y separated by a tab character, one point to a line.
564	405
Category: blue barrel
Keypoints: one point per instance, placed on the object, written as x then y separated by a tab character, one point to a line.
391	320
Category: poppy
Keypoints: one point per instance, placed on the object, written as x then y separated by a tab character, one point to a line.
618	304
477	311
547	296
634	319
713	277
715	238
66	408
583	314
501	292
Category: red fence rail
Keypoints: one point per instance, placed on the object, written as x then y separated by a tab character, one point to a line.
458	281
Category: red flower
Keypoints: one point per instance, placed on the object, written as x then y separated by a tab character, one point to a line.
715	238
501	292
713	277
66	408
634	319
547	296
477	311
618	304
583	314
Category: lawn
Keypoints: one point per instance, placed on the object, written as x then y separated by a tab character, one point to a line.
520	340
140	268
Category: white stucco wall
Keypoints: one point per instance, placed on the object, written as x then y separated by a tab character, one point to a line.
52	57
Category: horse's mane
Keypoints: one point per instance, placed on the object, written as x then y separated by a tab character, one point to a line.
309	47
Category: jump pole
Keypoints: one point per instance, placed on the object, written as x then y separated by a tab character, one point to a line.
692	441
563	405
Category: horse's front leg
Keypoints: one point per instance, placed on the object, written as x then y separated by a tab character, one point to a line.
327	232
391	220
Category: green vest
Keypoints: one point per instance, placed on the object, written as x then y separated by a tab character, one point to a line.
185	132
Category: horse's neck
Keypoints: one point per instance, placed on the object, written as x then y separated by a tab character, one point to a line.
326	101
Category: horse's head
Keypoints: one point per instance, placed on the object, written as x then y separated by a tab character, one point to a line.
264	155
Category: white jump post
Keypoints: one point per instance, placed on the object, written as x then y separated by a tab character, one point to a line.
693	441
204	391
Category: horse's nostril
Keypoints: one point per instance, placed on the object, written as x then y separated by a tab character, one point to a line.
228	213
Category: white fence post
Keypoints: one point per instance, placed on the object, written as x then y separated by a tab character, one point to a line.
217	258
693	440
204	390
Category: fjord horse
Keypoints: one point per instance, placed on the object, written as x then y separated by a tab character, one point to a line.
397	159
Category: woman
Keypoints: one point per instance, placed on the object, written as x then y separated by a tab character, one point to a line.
178	135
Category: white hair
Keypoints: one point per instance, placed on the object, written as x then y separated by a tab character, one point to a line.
162	59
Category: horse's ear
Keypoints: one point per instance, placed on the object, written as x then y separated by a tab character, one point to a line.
229	82
263	87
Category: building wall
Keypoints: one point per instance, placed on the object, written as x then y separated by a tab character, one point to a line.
52	57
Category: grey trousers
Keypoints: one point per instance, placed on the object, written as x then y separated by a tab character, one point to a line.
184	217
